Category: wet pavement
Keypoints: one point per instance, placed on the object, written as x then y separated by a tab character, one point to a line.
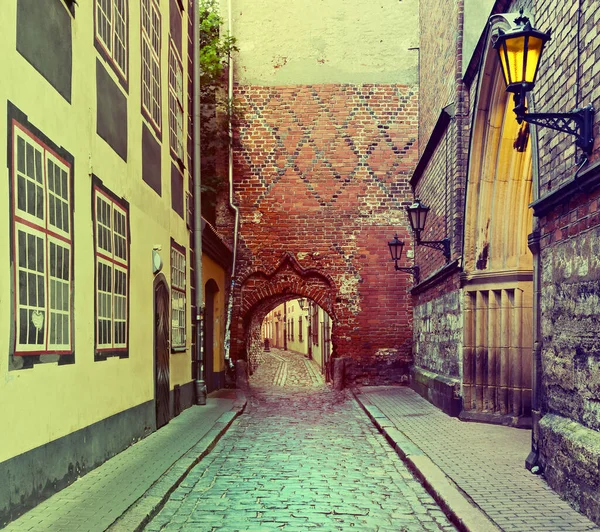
300	457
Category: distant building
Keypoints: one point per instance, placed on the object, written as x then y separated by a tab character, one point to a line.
302	326
97	271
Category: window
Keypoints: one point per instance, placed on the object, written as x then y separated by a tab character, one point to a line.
178	289
175	102
112	273
151	31
315	324
299	328
111	32
292	327
43	247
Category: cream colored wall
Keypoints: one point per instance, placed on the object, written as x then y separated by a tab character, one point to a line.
50	401
212	270
316	41
293	313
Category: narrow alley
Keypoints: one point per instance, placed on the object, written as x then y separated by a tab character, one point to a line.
302	456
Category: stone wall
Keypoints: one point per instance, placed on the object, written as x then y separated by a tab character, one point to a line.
438	334
569	221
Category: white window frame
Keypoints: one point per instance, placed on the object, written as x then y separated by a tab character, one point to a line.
176	102
151	52
111	254
52	308
178	298
111	29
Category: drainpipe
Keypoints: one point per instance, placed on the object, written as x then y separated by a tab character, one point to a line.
533	242
234	207
200	384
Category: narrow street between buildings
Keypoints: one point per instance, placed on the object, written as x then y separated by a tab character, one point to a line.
300	457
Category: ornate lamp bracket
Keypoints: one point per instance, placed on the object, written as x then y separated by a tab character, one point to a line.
441	245
579	122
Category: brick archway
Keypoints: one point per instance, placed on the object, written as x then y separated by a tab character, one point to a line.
260	292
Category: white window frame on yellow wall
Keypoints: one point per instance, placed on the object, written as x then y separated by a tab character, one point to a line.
111	29
178	297
151	48
43	247
111	250
176	102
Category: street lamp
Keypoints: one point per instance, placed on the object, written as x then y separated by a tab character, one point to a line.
520	48
301	303
396	247
417	215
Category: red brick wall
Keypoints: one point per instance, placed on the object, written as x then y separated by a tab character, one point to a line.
320	176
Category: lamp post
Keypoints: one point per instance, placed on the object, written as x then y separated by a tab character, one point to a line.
417	215
396	246
520	47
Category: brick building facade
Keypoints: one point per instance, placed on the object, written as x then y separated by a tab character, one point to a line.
322	156
507	330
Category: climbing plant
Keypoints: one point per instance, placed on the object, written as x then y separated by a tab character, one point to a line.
216	48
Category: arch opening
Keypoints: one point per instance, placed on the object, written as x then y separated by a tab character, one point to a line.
497	283
293	327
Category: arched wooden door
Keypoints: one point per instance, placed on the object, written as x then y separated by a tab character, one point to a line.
497	283
210	293
161	354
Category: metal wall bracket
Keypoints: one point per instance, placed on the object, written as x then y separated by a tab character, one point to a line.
441	245
579	122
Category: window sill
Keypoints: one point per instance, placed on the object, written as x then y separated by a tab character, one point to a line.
176	350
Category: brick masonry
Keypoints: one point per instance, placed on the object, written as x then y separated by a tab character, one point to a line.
321	177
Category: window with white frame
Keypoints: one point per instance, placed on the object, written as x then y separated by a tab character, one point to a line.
112	273
300	328
178	299
151	32
111	32
175	102
43	247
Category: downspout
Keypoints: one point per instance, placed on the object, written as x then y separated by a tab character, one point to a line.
200	384
533	242
235	209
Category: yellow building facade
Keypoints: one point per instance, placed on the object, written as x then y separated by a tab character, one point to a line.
95	291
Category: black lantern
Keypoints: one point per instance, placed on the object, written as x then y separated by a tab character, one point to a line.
301	303
520	48
396	246
417	215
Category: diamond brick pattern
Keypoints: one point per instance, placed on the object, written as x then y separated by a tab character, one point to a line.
320	177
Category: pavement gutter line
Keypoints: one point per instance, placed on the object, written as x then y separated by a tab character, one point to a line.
455	503
137	516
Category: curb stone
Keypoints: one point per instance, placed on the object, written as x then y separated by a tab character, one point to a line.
141	512
453	501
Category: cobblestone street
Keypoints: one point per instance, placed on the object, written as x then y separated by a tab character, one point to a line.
302	457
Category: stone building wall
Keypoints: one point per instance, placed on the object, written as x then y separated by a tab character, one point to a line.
569	223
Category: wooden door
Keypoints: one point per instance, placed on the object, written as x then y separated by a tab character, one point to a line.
161	353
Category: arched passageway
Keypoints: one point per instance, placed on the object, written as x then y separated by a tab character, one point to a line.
295	338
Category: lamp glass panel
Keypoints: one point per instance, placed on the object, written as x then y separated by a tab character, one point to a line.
515	56
396	248
534	52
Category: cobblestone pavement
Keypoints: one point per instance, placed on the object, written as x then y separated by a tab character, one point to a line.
486	461
300	458
286	368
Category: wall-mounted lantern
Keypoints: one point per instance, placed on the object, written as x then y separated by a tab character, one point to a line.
301	303
417	215
520	48
396	246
